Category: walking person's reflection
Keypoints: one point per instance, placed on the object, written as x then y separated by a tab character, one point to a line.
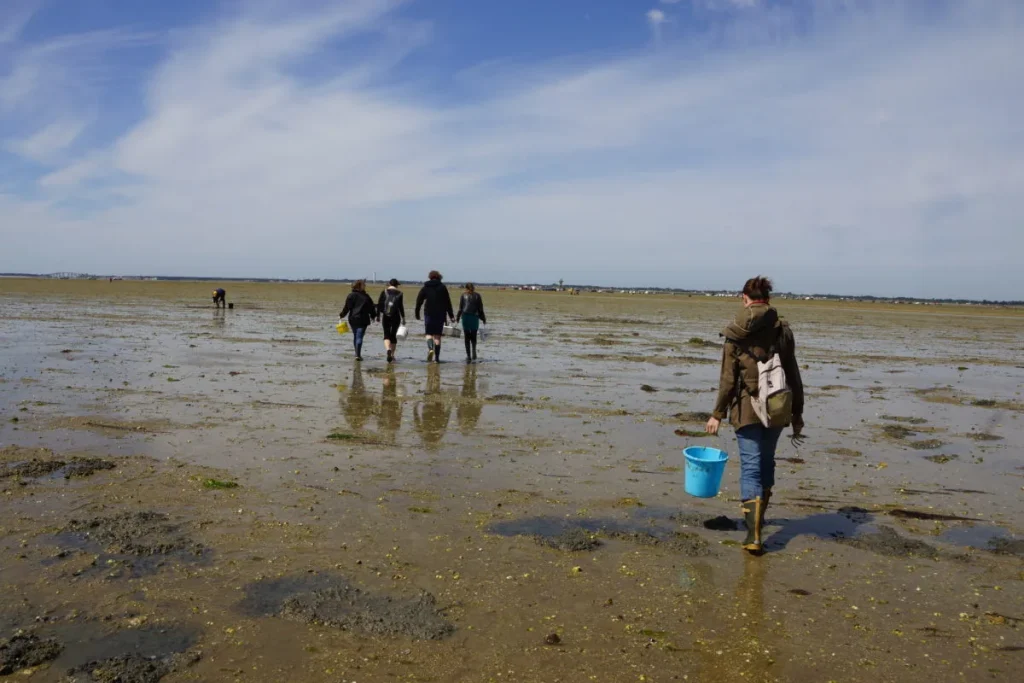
389	420
470	407
356	404
432	415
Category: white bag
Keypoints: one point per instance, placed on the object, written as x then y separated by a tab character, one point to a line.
402	332
773	403
451	331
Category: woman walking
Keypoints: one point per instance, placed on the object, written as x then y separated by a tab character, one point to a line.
391	309
471	313
361	312
436	304
756	335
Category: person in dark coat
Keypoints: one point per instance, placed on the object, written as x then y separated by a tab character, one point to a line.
391	309
361	312
219	297
436	304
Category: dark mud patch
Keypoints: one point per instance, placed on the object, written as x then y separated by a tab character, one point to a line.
36	468
887	542
24	650
329	600
983	436
575	540
845	452
901	513
690	433
681	542
694	416
905	420
926	444
144	655
1006	546
505	398
898	432
648	388
136	533
694	519
940	459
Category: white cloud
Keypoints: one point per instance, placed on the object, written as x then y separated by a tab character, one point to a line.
870	154
45	144
655	17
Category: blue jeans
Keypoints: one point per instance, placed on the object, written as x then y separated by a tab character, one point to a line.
757	459
357	339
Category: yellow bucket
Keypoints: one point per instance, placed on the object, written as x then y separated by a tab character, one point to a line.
342	327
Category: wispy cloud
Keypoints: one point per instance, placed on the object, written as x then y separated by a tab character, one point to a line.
868	145
655	18
48	142
14	17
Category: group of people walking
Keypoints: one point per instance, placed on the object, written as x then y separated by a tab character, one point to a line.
433	302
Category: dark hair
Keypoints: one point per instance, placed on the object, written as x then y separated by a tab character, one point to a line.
393	282
470	287
758	288
434	275
359	286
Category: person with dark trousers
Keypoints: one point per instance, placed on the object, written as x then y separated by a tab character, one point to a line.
471	313
436	304
361	311
756	334
391	309
219	297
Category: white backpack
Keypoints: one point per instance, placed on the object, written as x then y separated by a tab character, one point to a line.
773	402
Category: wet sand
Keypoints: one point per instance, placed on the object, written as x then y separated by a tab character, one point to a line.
192	494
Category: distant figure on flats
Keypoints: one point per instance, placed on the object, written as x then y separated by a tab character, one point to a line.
471	313
761	389
436	304
361	312
219	297
391	309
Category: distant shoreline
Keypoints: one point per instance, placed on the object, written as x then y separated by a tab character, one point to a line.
593	289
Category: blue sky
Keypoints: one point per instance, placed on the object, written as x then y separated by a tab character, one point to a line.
858	146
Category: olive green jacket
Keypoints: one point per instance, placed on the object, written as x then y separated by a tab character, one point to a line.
755	332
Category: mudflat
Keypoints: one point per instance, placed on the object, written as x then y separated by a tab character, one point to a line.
194	494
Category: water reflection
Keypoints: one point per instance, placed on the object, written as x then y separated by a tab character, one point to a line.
389	420
356	405
432	415
741	652
218	317
470	407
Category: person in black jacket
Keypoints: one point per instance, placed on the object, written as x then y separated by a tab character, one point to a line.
361	312
471	313
391	309
220	297
436	304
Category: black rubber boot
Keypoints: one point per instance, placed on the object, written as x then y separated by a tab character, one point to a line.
753	517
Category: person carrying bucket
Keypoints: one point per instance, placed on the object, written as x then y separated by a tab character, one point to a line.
391	308
361	311
436	304
761	391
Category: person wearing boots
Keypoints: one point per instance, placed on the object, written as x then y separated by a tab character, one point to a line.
755	334
436	304
391	309
471	313
361	311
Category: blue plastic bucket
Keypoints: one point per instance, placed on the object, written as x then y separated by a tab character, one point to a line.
704	469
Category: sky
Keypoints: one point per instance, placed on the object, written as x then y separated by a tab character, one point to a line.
840	146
